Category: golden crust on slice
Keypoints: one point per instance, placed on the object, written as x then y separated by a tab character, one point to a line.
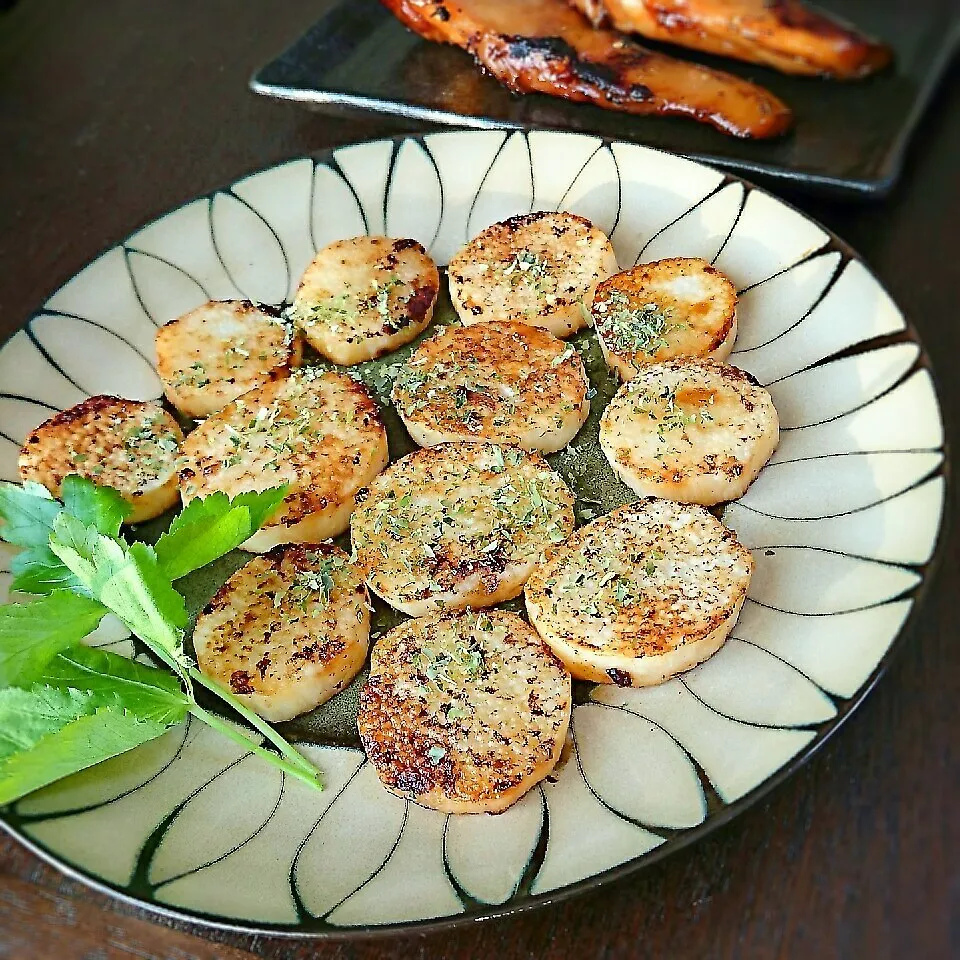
697	431
363	297
537	268
216	353
464	712
681	307
129	445
503	381
641	594
318	432
458	525
287	631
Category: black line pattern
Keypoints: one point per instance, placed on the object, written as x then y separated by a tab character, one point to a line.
127	251
93	323
241	843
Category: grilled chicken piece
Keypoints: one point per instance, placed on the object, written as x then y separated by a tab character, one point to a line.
784	34
544	46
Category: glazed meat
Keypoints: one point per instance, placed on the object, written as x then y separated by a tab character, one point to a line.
784	34
545	46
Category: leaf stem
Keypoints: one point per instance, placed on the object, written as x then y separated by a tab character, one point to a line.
303	771
257	723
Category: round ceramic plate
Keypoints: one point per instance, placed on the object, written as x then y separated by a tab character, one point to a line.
842	524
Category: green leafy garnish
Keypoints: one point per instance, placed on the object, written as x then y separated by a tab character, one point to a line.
32	634
127	580
100	507
28	513
47	733
146	692
210	527
65	707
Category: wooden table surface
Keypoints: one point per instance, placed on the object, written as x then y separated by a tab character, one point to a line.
111	112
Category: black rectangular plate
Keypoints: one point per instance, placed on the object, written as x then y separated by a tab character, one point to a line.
849	138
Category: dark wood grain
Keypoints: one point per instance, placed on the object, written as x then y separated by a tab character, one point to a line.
113	111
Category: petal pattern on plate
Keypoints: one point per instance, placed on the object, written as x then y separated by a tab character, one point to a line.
9	456
353	840
107	781
107	840
811	581
335	211
366	167
184	238
240	801
507	187
250	251
253	882
770	308
78	347
18	417
838	652
656	189
25	372
281	195
122	648
556	167
513	834
776	695
583	836
595	193
111	635
840	386
637	769
461	181
902	529
906	418
104	293
701	232
737	757
414	196
165	290
768	237
854	309
412	884
831	486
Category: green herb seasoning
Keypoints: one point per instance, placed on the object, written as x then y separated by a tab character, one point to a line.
630	329
528	268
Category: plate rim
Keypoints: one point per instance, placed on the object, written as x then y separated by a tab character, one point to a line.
929	572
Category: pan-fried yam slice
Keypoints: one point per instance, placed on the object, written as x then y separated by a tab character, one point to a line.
129	445
657	311
363	297
464	712
287	631
641	594
216	353
537	268
458	525
697	431
502	381
319	433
